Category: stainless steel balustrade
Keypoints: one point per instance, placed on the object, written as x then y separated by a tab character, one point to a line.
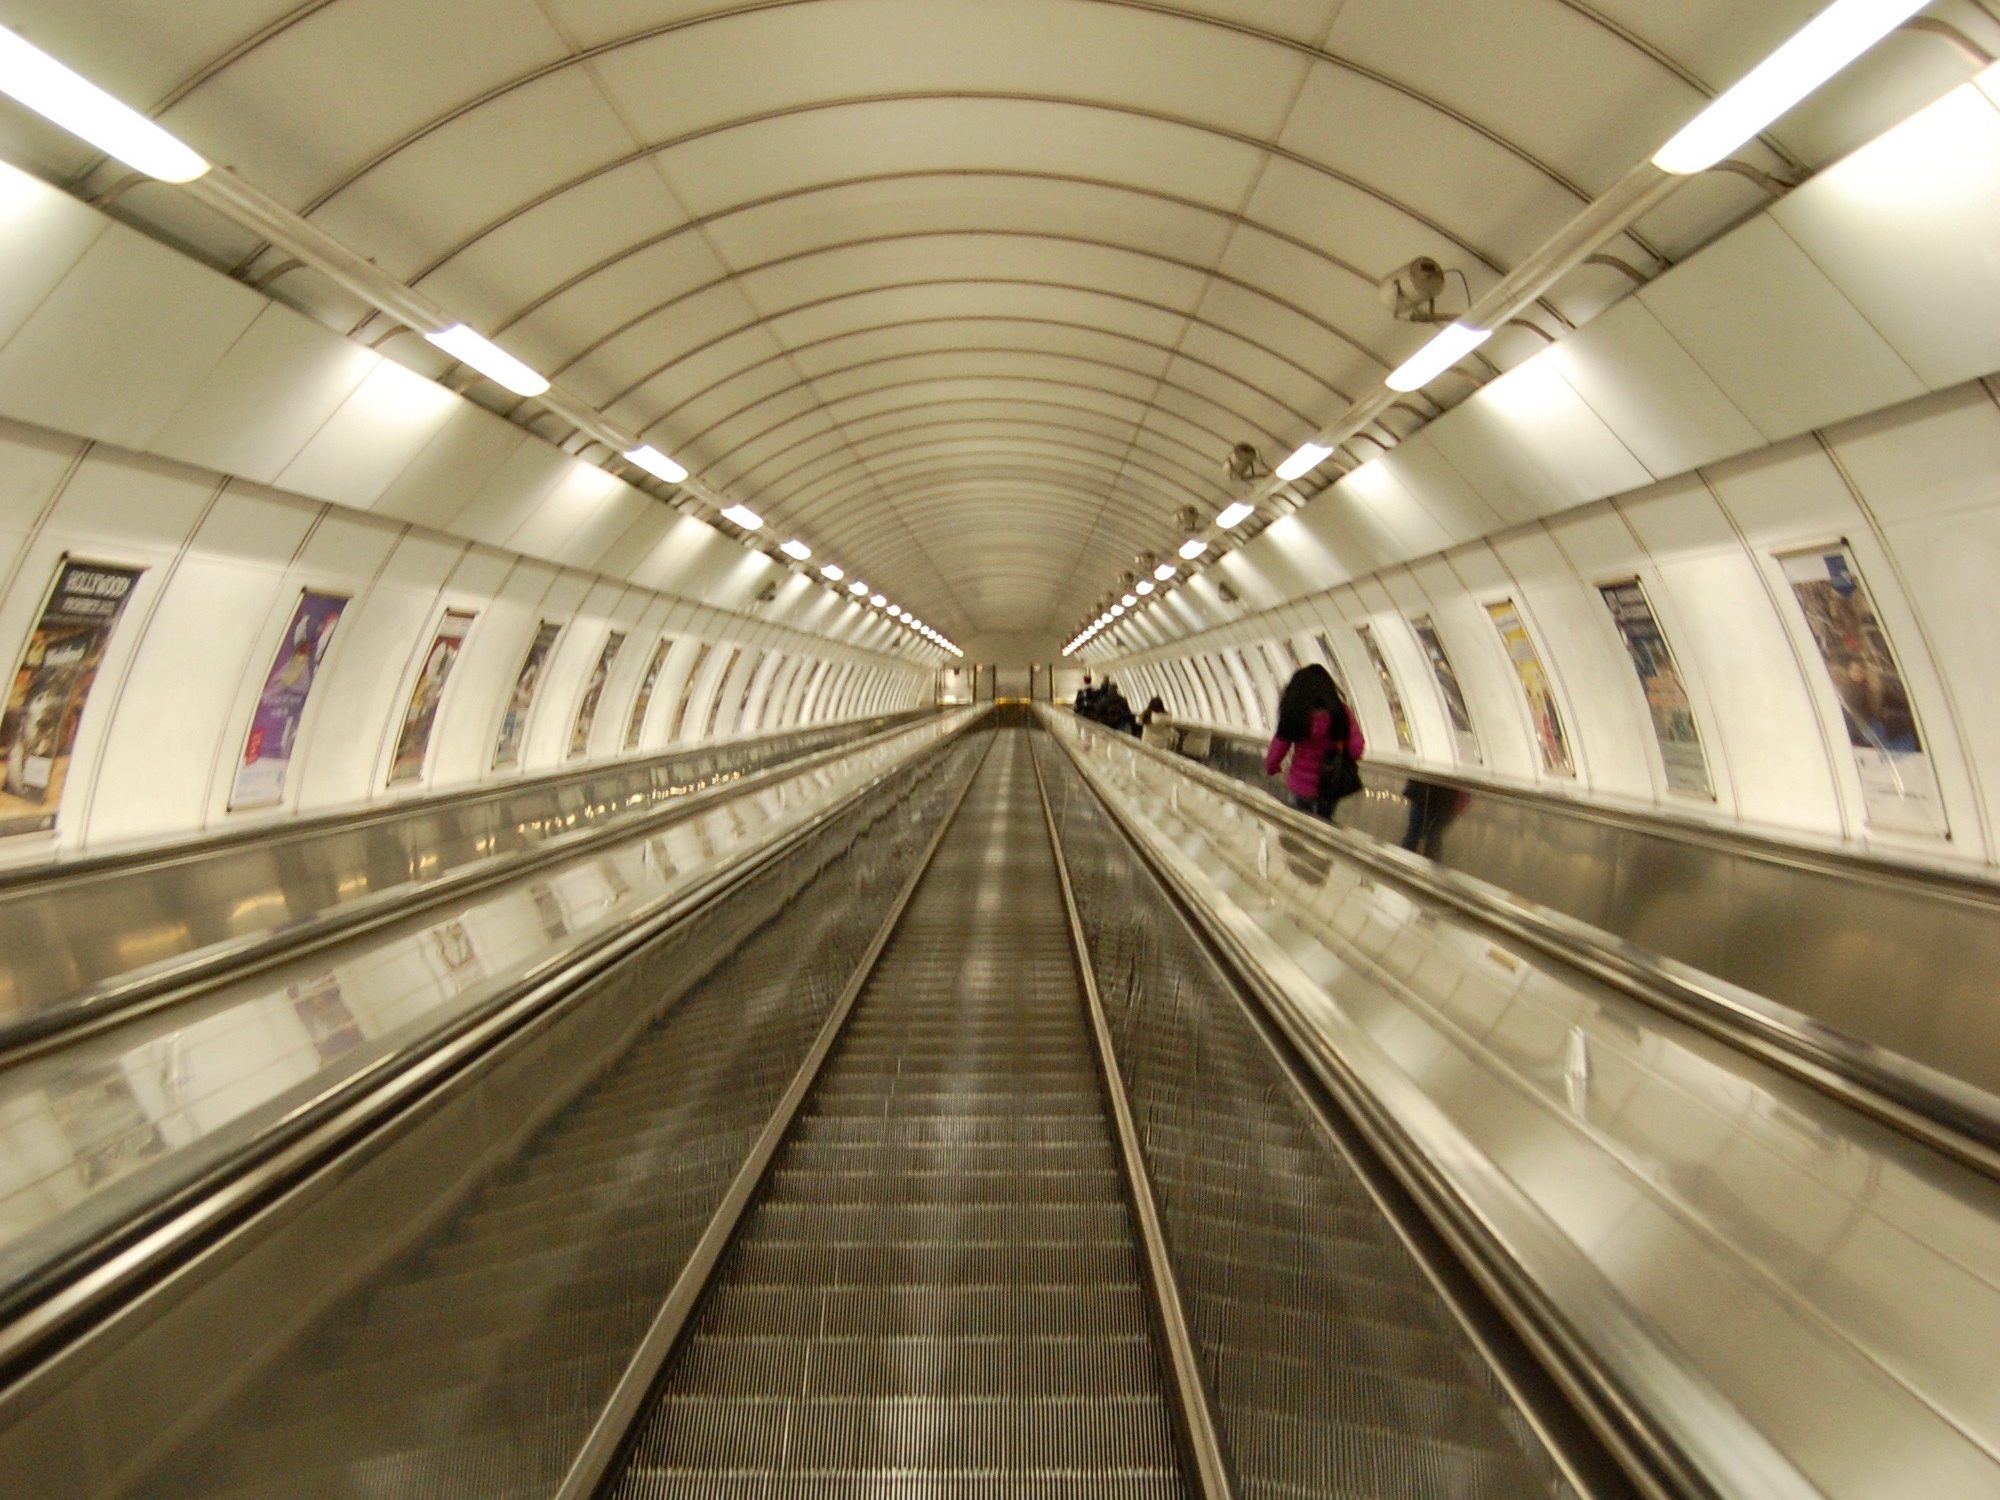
96	935
100	1388
1897	960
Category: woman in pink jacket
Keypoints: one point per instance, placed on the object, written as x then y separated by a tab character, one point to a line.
1313	722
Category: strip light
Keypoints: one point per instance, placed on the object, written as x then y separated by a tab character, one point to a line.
1304	459
652	460
832	573
1451	345
797	550
1817	51
1144	586
1193	547
66	98
857	588
489	359
1165	571
743	516
1235	514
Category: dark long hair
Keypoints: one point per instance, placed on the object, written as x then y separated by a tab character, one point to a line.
1310	690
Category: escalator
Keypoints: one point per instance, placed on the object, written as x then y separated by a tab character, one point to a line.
869	1210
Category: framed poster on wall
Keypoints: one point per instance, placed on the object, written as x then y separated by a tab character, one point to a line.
51	686
413	740
521	701
635	723
593	694
1543	714
1426	633
1681	753
1405	738
281	705
1898	786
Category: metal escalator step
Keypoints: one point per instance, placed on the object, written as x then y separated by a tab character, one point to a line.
912	1484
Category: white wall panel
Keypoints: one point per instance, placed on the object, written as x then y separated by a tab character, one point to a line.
1905	228
453	469
1532	446
43	234
120	341
371	438
1793	356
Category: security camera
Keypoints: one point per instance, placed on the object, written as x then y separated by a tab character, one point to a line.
1245	465
1410	292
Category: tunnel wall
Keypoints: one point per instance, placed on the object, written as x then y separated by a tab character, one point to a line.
1815	382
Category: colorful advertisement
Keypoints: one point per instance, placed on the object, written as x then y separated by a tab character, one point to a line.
51	686
521	702
1667	703
1405	740
636	724
593	694
420	716
1535	686
281	706
1426	633
1897	783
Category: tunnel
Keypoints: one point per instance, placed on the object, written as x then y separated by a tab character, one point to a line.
1006	748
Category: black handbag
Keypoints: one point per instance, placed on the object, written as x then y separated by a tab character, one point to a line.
1338	776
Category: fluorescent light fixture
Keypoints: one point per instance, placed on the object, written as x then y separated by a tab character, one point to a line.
743	516
489	359
879	600
797	550
1129	600
1821	48
1235	514
1144	586
832	573
857	587
1165	571
1193	547
1116	610
656	463
1451	345
1305	458
30	76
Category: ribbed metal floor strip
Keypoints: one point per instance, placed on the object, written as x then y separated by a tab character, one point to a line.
937	1292
1334	1367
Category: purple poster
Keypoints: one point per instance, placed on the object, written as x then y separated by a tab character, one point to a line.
281	706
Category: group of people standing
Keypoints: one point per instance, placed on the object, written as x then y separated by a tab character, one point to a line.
1102	703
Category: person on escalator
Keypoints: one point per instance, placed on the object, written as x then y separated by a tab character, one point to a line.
1322	739
1086	697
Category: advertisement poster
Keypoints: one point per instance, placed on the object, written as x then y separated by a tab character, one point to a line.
593	693
521	702
1405	740
51	685
281	706
99	1114
680	725
1660	680
448	947
1535	685
324	1013
1425	630
420	717
636	724
715	698
1897	782
761	673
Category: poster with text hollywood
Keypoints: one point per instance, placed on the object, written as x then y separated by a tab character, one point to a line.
281	706
1535	687
413	741
1898	785
51	685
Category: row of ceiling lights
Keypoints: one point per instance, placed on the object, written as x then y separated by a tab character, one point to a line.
1826	44
1143	590
59	94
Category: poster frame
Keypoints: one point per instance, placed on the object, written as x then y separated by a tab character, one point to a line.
1672	752
400	727
69	729
1392	692
1550	732
1451	692
237	802
591	699
535	657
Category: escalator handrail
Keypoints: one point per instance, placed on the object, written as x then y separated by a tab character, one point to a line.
1942	1112
57	1310
189	976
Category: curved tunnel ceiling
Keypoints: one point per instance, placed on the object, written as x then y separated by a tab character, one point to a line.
972	295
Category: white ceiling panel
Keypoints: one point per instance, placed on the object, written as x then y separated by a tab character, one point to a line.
981	291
